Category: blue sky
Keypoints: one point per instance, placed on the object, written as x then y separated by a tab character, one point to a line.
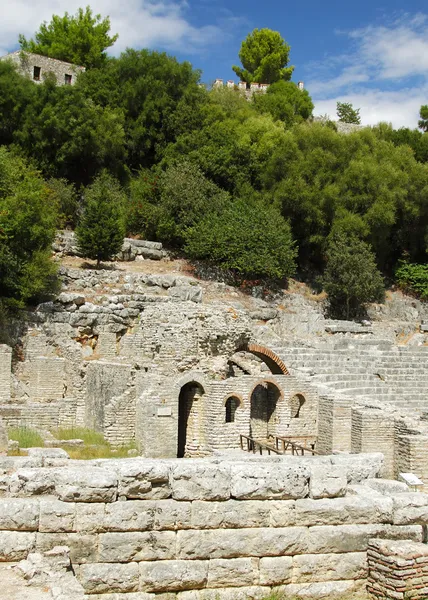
373	54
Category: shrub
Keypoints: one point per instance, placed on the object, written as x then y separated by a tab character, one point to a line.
413	278
248	237
351	278
101	230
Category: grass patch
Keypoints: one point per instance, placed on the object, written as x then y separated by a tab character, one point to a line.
89	436
26	437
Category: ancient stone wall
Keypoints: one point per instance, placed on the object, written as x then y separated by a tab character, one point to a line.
38	67
206	528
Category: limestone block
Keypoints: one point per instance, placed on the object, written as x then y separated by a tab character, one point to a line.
144	479
100	578
276	570
133	515
29	482
15	545
387	486
337	511
235	571
19	514
4	439
329	567
56	516
232	543
231	593
354	538
328	589
327	482
125	547
86	484
359	467
90	516
200	481
83	548
231	514
170	514
269	481
173	575
410	508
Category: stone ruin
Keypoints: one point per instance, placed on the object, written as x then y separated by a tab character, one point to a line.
165	361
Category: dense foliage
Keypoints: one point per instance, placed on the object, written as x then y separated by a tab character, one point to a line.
252	184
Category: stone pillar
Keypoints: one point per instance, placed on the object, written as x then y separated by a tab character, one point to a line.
397	570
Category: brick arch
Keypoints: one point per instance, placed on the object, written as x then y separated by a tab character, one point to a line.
275	364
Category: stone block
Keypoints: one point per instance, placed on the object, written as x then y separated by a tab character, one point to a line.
200	481
329	567
173	575
144	480
348	510
327	482
269	481
234	543
354	538
125	547
15	545
410	508
56	516
90	516
231	514
235	571
133	515
276	570
231	593
170	514
100	578
19	514
83	548
333	590
86	484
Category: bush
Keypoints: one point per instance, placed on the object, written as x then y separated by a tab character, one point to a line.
413	278
101	229
351	278
248	237
27	437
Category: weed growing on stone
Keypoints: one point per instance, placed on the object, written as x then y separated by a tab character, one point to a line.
26	437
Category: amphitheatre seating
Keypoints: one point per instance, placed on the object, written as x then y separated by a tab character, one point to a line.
369	369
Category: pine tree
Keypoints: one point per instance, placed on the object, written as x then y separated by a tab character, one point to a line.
101	229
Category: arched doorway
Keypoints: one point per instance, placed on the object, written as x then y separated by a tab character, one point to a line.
263	411
190	419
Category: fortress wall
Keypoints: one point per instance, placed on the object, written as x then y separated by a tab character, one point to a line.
206	528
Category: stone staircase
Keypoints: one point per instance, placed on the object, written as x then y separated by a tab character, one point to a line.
375	370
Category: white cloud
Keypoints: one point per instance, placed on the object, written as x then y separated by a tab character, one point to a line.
140	23
385	73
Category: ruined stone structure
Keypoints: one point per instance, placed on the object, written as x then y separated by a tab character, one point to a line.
206	528
38	67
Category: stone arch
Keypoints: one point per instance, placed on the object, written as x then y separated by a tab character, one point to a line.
264	398
231	404
272	360
297	401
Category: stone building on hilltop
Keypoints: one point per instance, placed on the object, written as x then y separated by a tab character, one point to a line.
38	67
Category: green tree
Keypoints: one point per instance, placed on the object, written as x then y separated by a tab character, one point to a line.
285	102
351	277
247	237
264	56
101	229
348	114
423	122
80	39
27	229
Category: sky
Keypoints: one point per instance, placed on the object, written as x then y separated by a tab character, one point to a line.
372	53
